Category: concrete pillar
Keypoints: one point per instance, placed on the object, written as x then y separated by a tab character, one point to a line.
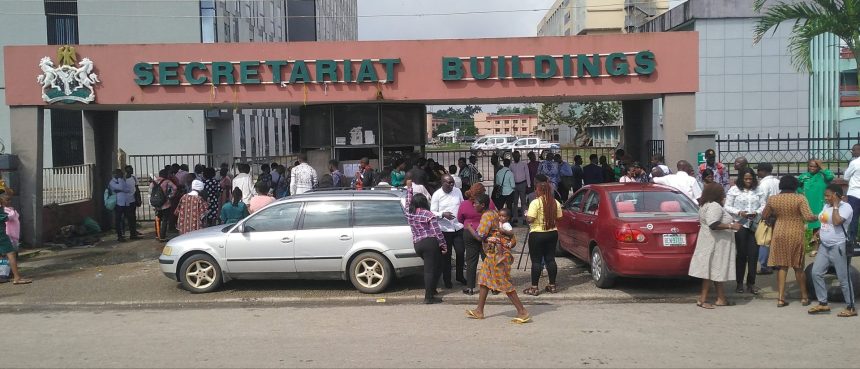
27	125
637	129
102	144
679	118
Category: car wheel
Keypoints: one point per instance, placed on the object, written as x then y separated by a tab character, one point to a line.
370	272
479	153
200	274
599	271
834	291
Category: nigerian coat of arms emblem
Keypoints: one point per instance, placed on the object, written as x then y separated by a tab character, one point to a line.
72	81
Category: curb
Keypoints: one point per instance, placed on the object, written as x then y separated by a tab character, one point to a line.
331	301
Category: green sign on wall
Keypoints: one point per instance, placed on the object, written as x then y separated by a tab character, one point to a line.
547	66
171	73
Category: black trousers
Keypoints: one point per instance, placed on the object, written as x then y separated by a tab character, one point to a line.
126	213
474	250
455	244
563	192
506	202
747	256
542	252
428	249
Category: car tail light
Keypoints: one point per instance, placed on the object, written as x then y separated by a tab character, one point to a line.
627	234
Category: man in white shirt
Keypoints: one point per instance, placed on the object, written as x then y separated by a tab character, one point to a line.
522	182
768	185
244	182
445	203
303	177
852	175
682	181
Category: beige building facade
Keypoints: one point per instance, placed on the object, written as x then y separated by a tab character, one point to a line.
520	125
589	17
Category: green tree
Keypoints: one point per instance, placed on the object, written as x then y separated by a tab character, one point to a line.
580	116
442	129
529	109
812	18
470	130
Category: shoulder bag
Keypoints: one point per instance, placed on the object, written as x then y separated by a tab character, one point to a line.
497	189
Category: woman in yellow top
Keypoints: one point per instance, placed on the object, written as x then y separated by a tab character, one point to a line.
543	212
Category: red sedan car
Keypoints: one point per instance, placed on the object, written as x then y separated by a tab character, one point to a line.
630	229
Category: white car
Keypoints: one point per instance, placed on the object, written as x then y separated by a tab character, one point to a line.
527	144
492	144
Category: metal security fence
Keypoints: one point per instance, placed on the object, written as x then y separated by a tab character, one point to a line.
788	154
656	147
65	185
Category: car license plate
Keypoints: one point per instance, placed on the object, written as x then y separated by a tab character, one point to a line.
674	240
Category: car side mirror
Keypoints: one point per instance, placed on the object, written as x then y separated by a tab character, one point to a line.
241	228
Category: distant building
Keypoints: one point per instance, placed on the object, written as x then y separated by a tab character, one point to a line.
433	124
227	132
744	88
520	125
588	17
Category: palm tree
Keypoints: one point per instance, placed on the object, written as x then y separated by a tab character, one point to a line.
812	18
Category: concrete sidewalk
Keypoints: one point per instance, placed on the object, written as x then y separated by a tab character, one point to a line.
127	275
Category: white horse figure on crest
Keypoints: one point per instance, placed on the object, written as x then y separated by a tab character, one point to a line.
49	76
84	75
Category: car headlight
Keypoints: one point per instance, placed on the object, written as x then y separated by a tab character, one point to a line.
167	250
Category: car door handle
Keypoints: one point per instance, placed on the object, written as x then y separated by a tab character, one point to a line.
345	238
588	222
286	240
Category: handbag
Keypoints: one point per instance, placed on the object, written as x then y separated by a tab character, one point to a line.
850	245
110	199
763	233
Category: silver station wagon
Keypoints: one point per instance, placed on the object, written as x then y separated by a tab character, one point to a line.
360	236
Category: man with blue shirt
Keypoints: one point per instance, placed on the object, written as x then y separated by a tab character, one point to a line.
566	174
831	251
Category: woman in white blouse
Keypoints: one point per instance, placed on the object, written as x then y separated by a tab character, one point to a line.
745	202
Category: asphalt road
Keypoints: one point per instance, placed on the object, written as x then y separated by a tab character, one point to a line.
756	334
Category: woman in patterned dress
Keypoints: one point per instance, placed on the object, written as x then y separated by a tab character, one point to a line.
192	209
792	212
213	195
495	271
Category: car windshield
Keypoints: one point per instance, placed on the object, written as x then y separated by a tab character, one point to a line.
482	140
511	139
652	204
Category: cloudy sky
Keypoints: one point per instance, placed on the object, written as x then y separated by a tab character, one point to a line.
432	19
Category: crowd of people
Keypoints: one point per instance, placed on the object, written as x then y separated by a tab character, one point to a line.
454	217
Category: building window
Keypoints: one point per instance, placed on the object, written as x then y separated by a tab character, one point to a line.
62	22
67	137
208	33
507	122
498	130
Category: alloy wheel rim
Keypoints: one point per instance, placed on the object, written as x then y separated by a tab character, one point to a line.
200	274
596	265
369	273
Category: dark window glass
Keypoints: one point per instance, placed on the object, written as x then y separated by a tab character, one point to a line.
325	215
67	137
378	213
403	124
208	33
242	137
575	204
352	122
315	126
274	218
592	205
62	22
301	20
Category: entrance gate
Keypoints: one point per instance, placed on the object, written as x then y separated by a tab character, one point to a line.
104	79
